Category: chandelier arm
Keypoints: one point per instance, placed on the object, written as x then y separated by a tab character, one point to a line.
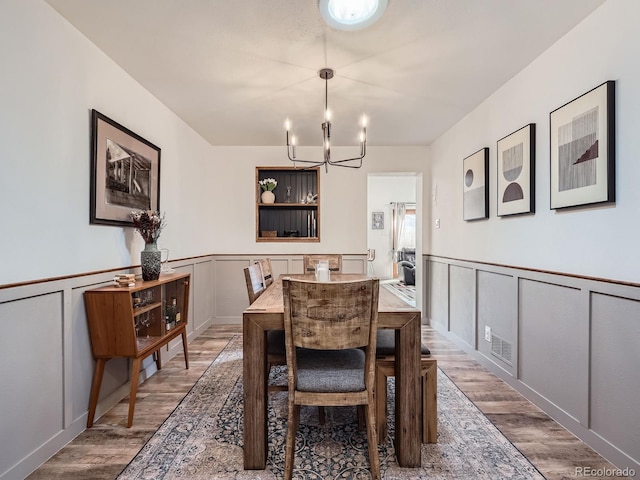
293	157
342	163
306	161
313	165
337	162
346	166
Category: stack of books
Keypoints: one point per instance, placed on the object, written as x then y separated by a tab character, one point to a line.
125	280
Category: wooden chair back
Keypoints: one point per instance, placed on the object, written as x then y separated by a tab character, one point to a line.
310	262
265	268
333	315
253	279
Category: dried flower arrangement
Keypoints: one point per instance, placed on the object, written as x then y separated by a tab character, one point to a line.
148	223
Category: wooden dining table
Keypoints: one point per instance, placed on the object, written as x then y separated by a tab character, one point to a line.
267	313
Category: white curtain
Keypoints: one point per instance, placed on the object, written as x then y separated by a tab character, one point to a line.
399	212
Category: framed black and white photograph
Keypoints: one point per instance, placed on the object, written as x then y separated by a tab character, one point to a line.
377	220
476	185
516	172
125	172
583	149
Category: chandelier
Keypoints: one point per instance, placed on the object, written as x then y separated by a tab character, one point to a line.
356	162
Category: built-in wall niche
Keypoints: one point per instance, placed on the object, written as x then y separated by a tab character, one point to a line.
294	215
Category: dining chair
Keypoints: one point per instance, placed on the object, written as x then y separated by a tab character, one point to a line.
275	338
385	367
253	279
330	336
310	262
265	269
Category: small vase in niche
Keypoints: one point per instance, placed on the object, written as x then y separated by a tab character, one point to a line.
268	196
150	261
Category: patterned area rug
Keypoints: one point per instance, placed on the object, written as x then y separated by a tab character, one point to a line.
405	292
202	438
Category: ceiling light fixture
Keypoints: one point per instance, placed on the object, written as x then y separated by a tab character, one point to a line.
351	14
326	74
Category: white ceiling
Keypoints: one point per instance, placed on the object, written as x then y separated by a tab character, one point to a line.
234	70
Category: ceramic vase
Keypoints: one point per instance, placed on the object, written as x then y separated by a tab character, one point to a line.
268	197
150	262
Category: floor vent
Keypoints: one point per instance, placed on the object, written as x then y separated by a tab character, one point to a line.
501	348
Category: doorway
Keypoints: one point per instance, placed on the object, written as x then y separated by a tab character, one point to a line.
394	222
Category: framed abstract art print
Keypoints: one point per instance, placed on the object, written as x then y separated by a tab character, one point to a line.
516	172
583	149
475	185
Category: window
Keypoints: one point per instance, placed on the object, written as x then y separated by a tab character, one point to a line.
408	238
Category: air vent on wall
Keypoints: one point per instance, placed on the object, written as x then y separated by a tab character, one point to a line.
501	348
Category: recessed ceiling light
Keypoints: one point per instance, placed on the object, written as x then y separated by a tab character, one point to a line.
351	14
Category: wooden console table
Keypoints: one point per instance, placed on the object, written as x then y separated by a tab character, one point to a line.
132	322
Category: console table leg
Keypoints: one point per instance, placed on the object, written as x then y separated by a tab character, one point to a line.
135	376
184	347
95	390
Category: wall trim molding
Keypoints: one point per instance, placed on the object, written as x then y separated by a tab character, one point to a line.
26	283
535	270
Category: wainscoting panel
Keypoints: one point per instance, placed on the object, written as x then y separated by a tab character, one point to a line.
202	298
230	289
438	294
574	341
462	304
31	375
497	307
280	266
615	379
554	345
354	265
296	265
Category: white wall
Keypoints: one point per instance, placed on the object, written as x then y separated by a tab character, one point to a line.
384	189
51	79
343	197
597	241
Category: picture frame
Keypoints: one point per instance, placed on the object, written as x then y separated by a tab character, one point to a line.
377	220
516	160
475	185
582	149
125	173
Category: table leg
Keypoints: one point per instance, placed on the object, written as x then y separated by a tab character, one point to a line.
430	402
408	388
254	353
95	389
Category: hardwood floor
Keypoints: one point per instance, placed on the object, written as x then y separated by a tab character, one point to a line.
102	451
